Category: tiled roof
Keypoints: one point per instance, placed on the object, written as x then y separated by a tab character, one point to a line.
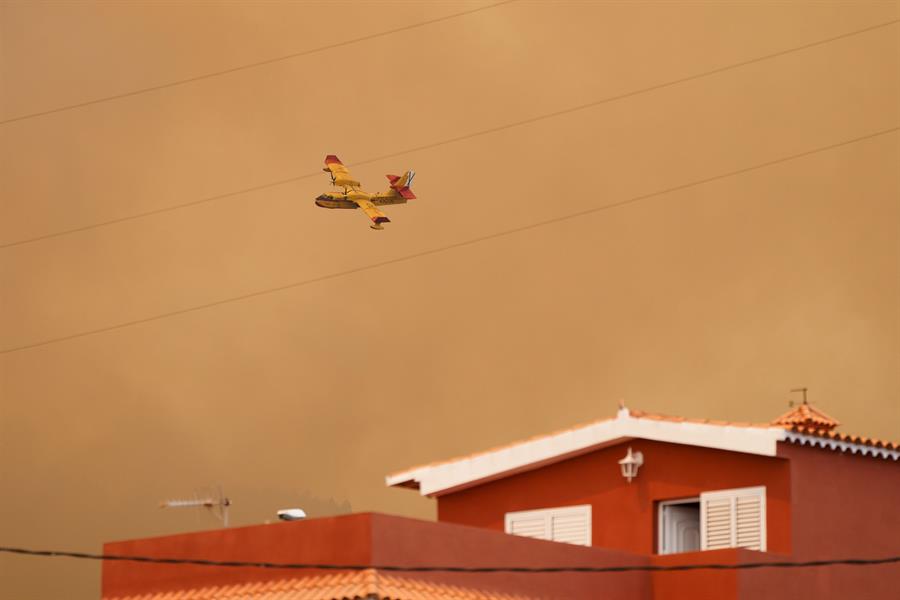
368	584
638	414
806	415
493	449
845	437
458	473
804	419
804	424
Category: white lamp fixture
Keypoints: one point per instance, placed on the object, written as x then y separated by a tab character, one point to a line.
630	464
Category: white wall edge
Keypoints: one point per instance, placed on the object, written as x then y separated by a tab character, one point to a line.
527	455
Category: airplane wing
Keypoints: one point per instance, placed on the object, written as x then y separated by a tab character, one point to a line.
376	215
340	175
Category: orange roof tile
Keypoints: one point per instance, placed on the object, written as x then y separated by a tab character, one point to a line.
806	415
500	447
845	437
804	419
354	585
640	414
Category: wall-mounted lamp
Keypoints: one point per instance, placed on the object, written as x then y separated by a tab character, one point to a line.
630	464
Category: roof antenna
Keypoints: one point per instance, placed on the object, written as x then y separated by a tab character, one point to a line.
804	390
217	505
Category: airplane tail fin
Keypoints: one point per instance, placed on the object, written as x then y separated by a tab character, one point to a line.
401	184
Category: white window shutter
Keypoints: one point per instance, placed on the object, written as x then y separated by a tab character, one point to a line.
533	527
733	519
750	512
717	523
568	524
572	527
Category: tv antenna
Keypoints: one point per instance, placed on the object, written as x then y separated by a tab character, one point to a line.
803	390
217	505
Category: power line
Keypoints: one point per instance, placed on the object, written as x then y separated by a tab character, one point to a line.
332	567
452	140
470	242
165	209
255	64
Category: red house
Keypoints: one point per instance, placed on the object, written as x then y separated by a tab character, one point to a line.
794	488
635	489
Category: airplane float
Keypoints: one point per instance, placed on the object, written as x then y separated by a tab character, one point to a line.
354	197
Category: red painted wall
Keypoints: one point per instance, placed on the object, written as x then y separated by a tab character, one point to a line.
344	540
374	539
822	583
424	543
700	584
843	504
624	515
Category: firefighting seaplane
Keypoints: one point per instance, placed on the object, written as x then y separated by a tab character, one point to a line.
354	197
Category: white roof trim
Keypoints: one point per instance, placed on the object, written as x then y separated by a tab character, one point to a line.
465	472
831	444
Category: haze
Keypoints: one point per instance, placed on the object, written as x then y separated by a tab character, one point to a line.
712	300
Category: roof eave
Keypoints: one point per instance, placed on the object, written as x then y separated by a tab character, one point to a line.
475	470
841	445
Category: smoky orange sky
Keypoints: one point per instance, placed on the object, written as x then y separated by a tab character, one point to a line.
711	300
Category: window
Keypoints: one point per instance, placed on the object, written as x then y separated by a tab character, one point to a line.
679	526
733	519
569	524
720	519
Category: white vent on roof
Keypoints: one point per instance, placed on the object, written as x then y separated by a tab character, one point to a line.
568	524
733	519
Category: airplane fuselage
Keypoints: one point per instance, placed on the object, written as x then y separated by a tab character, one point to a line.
335	201
348	199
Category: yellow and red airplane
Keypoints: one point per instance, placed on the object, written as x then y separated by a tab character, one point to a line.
354	197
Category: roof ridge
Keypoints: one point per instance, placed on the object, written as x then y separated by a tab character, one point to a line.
502	446
622	411
753	437
806	414
642	414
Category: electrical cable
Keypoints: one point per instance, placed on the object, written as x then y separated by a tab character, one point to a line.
253	65
452	140
452	246
447	569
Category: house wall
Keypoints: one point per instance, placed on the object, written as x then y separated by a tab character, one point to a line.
412	542
700	584
624	515
373	539
822	583
877	582
331	540
843	504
